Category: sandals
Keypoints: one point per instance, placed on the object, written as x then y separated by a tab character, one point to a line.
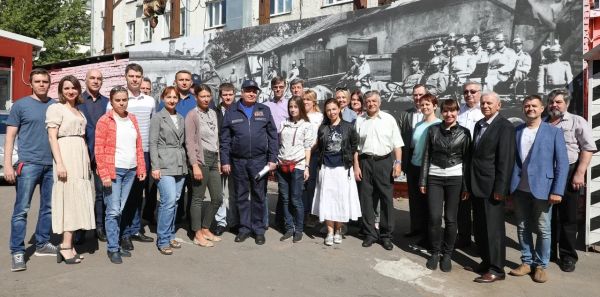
60	258
175	244
166	251
212	238
207	244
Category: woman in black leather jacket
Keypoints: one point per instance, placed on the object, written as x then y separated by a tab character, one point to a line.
443	178
336	195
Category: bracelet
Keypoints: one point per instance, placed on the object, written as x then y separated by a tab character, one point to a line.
397	162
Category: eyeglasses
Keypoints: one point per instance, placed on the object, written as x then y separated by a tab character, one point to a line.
470	91
278	87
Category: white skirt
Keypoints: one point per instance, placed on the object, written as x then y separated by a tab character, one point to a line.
336	195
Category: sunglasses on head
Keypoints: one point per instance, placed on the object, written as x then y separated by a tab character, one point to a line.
341	89
470	91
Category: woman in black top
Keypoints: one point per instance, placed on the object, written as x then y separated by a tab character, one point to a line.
443	178
336	195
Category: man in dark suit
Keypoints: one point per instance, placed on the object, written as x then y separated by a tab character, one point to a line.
493	156
416	201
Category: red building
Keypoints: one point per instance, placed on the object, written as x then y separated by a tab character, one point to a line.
16	60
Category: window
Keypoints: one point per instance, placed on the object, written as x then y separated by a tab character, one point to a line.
334	2
182	22
130	38
167	24
281	6
216	13
5	88
147	30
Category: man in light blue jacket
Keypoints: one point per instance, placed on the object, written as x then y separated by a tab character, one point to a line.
538	181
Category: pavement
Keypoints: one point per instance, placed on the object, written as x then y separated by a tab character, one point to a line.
307	268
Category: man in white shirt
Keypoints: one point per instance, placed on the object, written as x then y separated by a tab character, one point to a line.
470	114
380	154
143	107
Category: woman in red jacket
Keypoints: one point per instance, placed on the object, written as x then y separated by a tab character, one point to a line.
119	157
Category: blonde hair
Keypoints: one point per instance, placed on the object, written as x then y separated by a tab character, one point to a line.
312	96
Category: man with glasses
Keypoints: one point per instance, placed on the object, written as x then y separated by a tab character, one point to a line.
249	143
416	202
278	103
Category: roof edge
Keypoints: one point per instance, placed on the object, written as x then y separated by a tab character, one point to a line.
21	38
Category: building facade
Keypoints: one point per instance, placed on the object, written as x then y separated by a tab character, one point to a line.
197	18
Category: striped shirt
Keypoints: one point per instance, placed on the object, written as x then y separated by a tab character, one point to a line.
143	107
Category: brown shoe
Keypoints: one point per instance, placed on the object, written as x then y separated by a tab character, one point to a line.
540	275
523	269
489	278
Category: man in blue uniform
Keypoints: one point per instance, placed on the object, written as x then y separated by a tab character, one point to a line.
248	144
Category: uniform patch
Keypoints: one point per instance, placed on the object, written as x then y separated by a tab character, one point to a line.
237	121
261	119
259	114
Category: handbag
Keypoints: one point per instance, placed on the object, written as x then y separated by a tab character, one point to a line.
287	166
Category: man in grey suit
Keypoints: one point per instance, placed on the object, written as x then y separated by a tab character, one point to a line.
417	203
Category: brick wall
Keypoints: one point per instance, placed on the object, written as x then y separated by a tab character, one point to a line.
113	72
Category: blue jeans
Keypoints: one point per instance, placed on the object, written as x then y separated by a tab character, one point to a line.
291	186
170	188
115	199
533	215
132	213
227	214
31	176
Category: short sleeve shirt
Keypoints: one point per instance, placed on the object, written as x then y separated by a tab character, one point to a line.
29	116
578	135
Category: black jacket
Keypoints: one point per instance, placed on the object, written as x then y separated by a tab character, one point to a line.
349	142
446	148
405	124
492	160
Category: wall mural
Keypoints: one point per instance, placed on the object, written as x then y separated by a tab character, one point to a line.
513	47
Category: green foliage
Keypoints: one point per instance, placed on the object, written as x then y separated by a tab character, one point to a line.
61	24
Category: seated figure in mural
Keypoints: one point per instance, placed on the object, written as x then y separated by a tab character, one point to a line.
437	82
556	74
413	78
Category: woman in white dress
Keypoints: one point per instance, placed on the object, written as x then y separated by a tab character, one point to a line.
336	196
315	116
73	190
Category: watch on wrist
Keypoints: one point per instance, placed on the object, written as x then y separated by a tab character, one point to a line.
396	162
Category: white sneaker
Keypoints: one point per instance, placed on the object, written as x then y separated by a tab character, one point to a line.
337	238
329	239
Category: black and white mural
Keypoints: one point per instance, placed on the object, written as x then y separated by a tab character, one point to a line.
513	47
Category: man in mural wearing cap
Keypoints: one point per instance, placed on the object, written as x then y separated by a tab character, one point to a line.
438	81
233	78
507	60
249	143
494	63
555	74
523	61
479	54
440	56
463	63
364	69
294	72
413	78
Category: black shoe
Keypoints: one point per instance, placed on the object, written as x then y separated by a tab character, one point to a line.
368	242
126	244
411	234
286	236
100	234
79	237
124	253
297	237
260	239
114	257
446	263
387	244
219	230
567	265
141	237
432	262
242	237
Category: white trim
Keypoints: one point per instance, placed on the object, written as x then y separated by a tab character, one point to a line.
335	3
9	35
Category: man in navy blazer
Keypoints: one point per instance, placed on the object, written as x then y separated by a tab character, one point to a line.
538	181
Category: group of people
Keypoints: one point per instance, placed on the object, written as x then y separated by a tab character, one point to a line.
93	158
